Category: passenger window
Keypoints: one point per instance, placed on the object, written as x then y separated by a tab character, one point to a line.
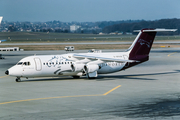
29	63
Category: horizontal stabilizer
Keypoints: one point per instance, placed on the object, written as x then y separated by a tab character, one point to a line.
156	30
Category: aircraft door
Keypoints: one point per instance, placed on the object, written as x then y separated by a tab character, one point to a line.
38	64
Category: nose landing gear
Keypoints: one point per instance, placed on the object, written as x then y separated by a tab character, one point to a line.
18	79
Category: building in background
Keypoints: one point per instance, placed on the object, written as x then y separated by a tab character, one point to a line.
73	28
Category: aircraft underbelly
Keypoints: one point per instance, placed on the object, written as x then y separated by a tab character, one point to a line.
109	69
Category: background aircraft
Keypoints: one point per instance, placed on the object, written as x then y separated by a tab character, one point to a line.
2	41
86	64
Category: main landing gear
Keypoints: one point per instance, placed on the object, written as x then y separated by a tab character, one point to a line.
76	77
18	79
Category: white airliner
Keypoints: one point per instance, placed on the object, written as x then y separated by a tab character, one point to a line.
86	64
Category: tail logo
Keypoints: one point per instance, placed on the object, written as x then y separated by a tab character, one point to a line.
142	42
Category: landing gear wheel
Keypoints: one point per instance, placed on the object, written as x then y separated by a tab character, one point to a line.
76	77
18	80
91	77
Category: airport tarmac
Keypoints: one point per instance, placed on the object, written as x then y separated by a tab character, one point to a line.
150	90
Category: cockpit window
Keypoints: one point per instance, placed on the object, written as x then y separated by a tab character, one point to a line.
19	63
26	63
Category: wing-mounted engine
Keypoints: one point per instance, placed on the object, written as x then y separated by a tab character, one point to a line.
77	67
91	70
87	67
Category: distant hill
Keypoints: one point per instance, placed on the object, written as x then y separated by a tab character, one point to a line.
129	27
90	27
103	24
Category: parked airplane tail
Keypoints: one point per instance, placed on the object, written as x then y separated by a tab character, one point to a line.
141	46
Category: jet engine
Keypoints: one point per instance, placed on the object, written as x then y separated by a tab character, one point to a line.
91	68
77	67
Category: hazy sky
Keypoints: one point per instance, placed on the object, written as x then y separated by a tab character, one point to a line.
88	10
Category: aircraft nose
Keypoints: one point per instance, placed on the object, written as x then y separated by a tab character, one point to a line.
7	72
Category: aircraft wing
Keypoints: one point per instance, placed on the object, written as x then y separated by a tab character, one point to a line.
105	59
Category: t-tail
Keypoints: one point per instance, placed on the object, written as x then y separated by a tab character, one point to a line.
140	48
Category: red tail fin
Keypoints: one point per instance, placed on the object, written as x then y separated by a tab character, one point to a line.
142	45
140	48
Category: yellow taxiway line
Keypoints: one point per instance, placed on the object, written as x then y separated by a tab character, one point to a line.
4	76
172	54
60	97
112	90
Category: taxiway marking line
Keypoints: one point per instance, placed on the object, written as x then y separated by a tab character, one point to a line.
4	76
60	97
47	98
112	90
172	54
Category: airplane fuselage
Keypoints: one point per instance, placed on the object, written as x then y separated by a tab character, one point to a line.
57	65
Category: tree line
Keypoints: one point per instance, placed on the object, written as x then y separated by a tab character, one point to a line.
130	27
